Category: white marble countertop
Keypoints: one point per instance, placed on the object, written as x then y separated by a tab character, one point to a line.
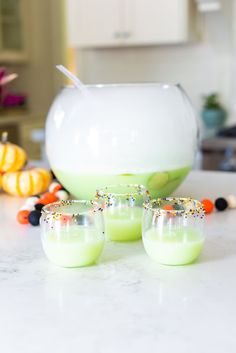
127	303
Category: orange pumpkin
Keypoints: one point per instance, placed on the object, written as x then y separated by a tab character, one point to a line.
26	182
12	157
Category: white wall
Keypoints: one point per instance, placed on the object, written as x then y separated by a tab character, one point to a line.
201	67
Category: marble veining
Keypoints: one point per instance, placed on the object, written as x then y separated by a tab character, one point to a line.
126	303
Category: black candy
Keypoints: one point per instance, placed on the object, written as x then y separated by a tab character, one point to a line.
39	206
81	220
34	217
221	204
178	207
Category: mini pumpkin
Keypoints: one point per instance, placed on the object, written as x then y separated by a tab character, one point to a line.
12	157
26	182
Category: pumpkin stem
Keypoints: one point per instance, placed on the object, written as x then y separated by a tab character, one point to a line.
4	137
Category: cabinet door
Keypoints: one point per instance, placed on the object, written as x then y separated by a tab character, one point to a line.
12	30
94	23
156	21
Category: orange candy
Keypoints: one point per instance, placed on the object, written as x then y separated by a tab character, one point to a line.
43	201
57	188
208	205
22	216
168	208
65	219
49	197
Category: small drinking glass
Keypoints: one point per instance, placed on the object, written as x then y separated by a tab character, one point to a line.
173	230
72	232
122	212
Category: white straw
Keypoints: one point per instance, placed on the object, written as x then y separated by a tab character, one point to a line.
73	78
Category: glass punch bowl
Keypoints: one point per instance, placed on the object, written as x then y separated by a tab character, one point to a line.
129	133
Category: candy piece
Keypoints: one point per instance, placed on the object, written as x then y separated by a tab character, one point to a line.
62	195
221	204
31	201
231	199
22	216
53	185
34	217
66	219
57	188
49	197
26	207
39	206
43	201
168	208
178	207
80	219
208	205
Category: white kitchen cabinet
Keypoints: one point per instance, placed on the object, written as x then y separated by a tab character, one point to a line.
106	23
94	23
157	21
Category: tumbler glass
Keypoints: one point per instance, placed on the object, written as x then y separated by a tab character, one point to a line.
173	230
72	232
122	206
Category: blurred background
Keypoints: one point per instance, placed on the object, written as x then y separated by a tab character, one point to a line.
191	42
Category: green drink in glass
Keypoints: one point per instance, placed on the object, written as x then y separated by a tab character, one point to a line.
122	212
72	232
173	230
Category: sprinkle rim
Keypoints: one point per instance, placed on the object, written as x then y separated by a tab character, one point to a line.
197	208
57	204
138	189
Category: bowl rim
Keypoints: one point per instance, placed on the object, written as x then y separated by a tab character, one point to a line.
164	85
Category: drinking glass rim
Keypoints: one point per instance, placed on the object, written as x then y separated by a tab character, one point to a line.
198	208
138	189
46	208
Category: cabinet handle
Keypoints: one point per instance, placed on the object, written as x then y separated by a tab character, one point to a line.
126	34
117	35
123	35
